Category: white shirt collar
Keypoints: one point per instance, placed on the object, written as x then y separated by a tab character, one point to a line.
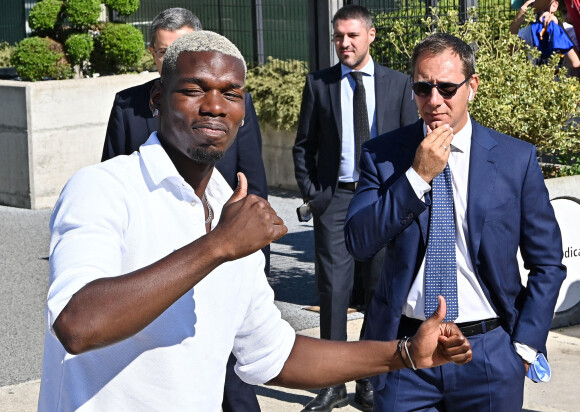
369	69
161	168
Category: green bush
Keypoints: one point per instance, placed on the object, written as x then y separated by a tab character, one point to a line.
6	51
514	97
74	22
44	15
123	7
38	58
118	47
83	13
79	47
276	89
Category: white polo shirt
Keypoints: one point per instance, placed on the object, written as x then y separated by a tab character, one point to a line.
121	215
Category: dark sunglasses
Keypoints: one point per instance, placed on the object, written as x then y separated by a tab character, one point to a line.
446	89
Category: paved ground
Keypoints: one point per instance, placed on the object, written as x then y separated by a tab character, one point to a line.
24	275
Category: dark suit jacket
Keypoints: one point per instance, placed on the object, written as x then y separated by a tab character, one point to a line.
131	123
318	145
508	207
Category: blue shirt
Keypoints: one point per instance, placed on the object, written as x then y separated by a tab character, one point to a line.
347	171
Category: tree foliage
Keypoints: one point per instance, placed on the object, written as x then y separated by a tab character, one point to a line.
119	46
44	15
73	25
79	47
276	89
538	104
37	58
123	7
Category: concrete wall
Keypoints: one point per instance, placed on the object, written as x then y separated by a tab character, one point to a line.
277	155
49	130
564	186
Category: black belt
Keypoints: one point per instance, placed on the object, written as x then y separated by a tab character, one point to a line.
409	326
351	186
476	328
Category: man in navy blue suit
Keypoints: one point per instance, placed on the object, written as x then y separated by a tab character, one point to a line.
132	121
500	203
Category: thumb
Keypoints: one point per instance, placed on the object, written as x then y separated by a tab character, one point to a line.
241	190
438	316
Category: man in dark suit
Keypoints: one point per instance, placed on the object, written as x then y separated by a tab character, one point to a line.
499	202
132	121
325	161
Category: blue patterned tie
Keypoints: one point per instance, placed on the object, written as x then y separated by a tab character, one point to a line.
440	263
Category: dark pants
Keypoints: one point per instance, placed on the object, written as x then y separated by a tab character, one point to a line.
492	381
335	268
238	395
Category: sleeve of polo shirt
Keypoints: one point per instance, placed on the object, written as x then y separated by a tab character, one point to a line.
265	340
86	243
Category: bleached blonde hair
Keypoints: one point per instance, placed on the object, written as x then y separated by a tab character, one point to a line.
198	41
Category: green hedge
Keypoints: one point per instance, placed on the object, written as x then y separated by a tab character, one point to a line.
72	25
79	47
38	58
44	15
83	13
538	104
123	7
276	89
117	47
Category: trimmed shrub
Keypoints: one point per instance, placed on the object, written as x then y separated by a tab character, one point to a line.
276	89
38	58
79	47
118	47
5	52
44	15
123	7
83	13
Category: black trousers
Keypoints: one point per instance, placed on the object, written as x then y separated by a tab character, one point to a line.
238	395
335	268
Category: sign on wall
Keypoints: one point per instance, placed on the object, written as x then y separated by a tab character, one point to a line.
567	211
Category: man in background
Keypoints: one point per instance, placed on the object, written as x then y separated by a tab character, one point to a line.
342	106
132	121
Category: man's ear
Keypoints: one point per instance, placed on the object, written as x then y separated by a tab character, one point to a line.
473	86
155	96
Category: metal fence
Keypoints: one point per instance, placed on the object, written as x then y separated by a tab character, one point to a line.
14	19
277	28
410	12
262	28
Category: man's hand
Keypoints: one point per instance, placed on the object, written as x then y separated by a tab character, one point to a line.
247	223
433	152
436	343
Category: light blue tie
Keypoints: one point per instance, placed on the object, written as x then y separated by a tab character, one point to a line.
440	263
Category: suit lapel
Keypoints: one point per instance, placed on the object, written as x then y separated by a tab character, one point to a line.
482	174
334	90
381	87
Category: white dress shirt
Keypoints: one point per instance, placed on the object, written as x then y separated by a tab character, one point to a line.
347	171
121	215
472	303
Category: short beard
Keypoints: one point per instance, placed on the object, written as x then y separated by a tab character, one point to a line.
204	156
